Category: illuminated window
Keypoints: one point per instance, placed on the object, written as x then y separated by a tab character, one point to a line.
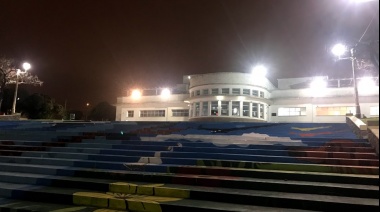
236	91
374	111
236	108
255	93
245	108
215	91
225	91
152	113
204	109
261	111
224	106
214	108
292	111
196	108
255	110
335	111
130	113
246	91
180	113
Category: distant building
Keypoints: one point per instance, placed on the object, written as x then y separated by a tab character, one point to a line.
243	97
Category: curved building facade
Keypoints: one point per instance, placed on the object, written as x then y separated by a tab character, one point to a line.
229	96
245	97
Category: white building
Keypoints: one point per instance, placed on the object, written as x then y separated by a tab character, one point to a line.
243	97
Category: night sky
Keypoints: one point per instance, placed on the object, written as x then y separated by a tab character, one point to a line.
92	51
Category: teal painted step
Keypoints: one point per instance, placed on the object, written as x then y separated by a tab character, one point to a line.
148	151
191	158
156	146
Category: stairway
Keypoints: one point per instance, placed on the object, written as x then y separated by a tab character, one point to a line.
105	169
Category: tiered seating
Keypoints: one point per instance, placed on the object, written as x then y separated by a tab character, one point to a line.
195	167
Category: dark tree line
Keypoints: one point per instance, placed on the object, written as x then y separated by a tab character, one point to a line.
40	106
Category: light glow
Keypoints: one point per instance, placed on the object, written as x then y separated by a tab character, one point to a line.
318	87
318	83
26	66
259	71
339	49
360	1
165	93
366	85
136	94
219	97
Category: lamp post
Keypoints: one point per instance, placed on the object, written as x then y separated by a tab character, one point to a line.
339	50
26	67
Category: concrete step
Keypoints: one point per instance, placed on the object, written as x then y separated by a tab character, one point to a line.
145	163
13	205
136	202
189	150
191	175
159	146
168	157
245	185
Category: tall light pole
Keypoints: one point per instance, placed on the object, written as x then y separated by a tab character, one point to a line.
339	50
26	67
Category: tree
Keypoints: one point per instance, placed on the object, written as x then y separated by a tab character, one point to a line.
39	106
103	112
9	74
9	92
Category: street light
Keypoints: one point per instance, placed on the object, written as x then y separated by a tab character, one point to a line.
26	67
259	71
339	50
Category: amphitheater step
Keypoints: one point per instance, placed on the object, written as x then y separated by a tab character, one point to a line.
119	201
144	151
10	174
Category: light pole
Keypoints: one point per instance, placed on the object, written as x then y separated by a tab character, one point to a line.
339	50
26	67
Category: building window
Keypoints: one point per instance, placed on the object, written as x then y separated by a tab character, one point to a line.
152	113
192	94
261	111
255	110
245	108
225	91
374	111
214	108
180	113
224	106
261	94
236	91
130	113
196	108
204	109
255	93
198	92
215	91
292	111
246	91
236	108
205	92
335	111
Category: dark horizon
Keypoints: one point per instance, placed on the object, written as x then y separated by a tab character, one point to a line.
92	51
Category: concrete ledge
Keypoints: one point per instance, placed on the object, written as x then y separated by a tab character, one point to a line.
373	137
358	126
12	117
